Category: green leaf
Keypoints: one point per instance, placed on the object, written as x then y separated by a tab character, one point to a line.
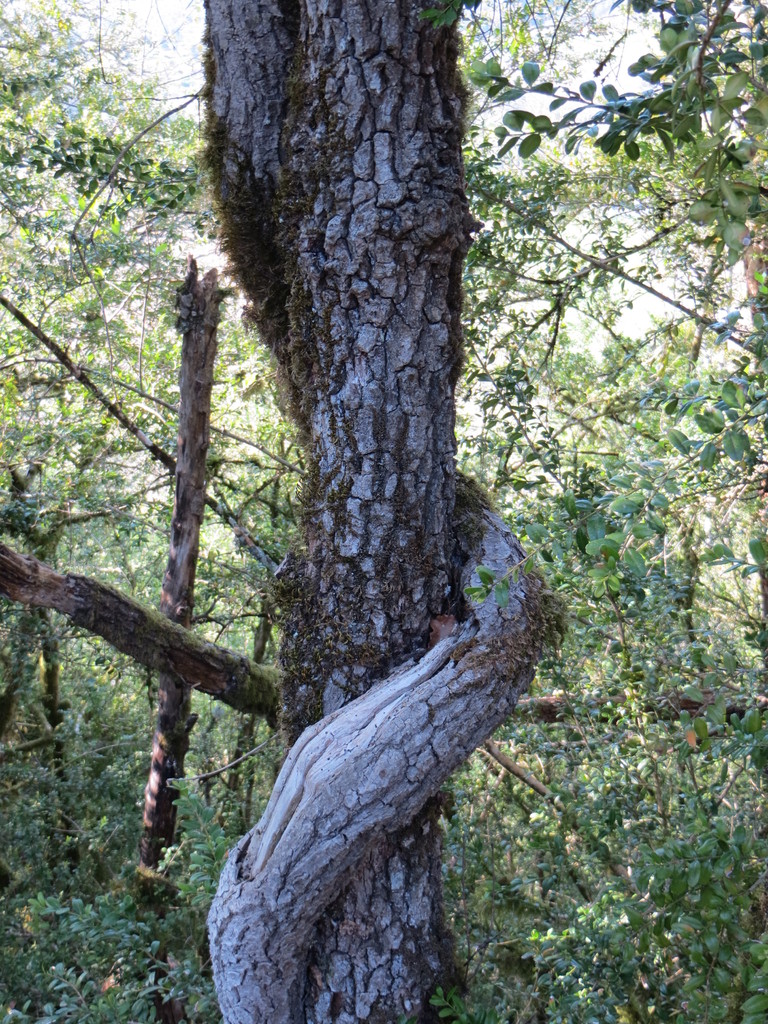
735	84
587	90
666	141
529	145
501	593
756	1004
635	562
485	574
703	212
515	119
635	919
530	71
708	456
737	202
605	546
752	721
732	395
736	444
679	440
736	235
756	117
596	527
758	548
625	506
536	533
711	421
668	39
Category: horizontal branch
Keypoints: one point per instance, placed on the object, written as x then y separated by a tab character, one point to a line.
23	748
142	633
662	706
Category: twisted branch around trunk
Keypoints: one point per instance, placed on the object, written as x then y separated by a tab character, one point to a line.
363	771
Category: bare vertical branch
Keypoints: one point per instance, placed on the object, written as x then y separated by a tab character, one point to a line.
198	305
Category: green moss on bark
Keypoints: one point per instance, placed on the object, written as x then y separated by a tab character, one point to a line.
247	229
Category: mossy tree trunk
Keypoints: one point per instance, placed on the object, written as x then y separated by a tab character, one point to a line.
334	141
40	534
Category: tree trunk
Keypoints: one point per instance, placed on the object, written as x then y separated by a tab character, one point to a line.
348	789
345	216
198	320
755	267
334	138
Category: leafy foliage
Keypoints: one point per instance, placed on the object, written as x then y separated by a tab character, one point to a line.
605	860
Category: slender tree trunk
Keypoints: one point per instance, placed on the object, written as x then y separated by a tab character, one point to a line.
40	534
755	267
198	320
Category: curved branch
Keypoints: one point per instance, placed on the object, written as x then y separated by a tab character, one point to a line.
361	772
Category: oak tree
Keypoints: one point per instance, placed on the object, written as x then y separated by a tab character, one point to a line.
334	140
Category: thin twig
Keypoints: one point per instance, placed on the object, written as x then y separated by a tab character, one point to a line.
119	159
519	772
220	771
707	39
115	410
84	378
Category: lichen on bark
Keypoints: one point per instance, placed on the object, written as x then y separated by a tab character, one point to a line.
335	139
343	211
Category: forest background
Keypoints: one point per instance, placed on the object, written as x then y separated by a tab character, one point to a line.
605	853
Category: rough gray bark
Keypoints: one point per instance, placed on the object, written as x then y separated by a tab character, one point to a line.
198	305
334	138
341	129
349	783
755	267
